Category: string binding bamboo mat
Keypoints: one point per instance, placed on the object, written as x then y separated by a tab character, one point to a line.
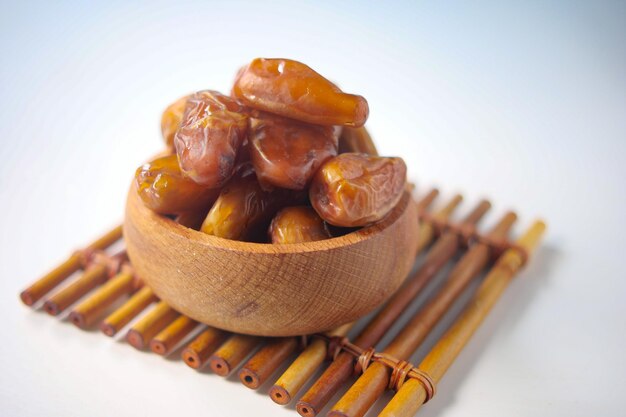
97	288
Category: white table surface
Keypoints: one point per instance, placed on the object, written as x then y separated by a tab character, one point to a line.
525	104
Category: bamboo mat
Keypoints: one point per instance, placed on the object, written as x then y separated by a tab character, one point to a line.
97	288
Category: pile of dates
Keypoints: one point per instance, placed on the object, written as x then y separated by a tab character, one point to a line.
266	163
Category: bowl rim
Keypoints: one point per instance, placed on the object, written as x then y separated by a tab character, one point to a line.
357	236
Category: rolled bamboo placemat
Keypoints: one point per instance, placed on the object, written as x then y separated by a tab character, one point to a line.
373	382
341	368
163	343
198	352
128	311
88	311
232	353
412	394
149	325
59	274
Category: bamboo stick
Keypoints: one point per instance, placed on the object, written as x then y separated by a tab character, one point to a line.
149	325
88	311
232	352
51	280
412	394
198	352
341	368
427	230
303	368
128	311
166	340
93	276
59	274
265	362
373	382
427	200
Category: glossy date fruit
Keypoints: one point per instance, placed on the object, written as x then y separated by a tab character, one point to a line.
356	139
209	138
298	224
171	118
353	189
287	153
164	189
244	209
292	89
193	219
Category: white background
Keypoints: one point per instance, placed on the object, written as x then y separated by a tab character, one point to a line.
523	103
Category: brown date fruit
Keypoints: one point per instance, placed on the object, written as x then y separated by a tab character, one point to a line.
244	209
292	89
171	118
356	139
243	155
209	138
287	153
164	189
353	189
298	224
192	219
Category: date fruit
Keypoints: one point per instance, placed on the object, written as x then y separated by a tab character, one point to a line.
356	139
298	224
287	153
353	189
171	118
210	136
292	89
192	219
244	209
164	189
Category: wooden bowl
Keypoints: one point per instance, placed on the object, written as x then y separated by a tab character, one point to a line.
271	290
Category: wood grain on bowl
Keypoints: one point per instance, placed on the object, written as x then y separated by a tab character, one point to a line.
271	290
